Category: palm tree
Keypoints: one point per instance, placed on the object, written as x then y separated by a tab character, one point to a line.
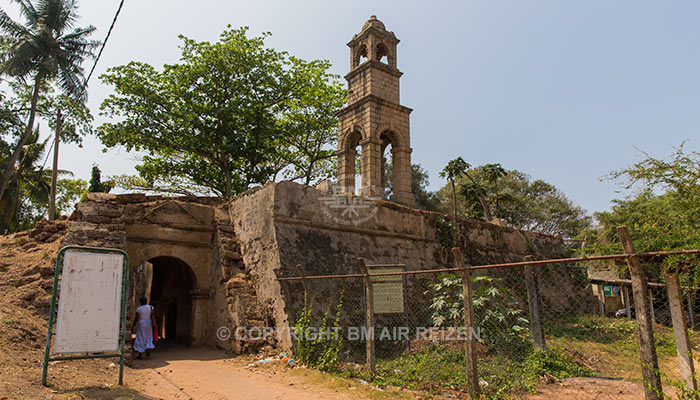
28	186
451	172
492	172
48	47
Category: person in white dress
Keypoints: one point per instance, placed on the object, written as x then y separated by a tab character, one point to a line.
143	326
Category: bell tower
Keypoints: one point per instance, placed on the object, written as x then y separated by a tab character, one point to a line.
374	117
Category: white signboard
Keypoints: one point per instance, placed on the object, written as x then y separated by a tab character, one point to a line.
387	291
89	307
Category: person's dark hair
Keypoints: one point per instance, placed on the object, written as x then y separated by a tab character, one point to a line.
143	300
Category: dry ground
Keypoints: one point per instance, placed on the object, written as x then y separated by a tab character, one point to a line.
176	372
589	389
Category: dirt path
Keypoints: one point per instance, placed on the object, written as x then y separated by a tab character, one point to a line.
178	372
204	373
589	389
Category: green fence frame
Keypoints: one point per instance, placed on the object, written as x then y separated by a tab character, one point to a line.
122	334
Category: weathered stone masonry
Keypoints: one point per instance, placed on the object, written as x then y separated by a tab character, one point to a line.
235	250
194	231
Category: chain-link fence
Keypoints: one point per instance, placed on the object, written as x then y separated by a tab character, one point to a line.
530	321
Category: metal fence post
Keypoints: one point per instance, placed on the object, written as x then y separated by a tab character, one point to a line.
369	312
469	344
680	331
533	301
125	273
650	363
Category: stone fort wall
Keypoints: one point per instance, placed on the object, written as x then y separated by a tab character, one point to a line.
283	225
237	249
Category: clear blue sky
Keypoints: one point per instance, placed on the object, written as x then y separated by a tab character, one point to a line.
565	91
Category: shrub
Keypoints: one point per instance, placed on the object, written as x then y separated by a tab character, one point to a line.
322	349
495	310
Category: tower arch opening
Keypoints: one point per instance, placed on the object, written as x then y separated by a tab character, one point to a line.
393	165
358	170
350	162
360	55
383	54
387	166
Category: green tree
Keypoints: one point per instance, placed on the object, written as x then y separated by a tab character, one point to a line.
77	118
173	186
310	128
452	171
517	199
10	124
27	192
48	47
420	180
14	107
458	168
96	184
69	192
664	212
220	118
493	174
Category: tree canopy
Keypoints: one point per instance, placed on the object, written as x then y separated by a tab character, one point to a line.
96	184
229	115
515	198
420	180
27	192
663	212
48	47
25	199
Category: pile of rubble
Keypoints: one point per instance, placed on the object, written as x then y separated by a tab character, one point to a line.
27	264
45	232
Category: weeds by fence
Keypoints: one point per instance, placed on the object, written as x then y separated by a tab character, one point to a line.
527	322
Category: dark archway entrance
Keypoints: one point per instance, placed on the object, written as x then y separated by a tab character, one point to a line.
171	296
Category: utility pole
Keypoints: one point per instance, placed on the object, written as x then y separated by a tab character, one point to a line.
54	172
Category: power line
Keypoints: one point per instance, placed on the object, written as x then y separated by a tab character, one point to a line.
94	65
48	153
104	43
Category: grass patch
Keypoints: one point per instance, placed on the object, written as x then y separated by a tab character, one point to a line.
610	345
585	345
438	369
552	362
504	376
592	328
345	385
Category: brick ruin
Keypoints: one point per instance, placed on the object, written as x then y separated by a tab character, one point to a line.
206	263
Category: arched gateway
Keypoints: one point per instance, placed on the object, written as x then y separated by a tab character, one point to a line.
170	286
184	257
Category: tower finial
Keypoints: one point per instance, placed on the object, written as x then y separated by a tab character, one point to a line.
373	21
